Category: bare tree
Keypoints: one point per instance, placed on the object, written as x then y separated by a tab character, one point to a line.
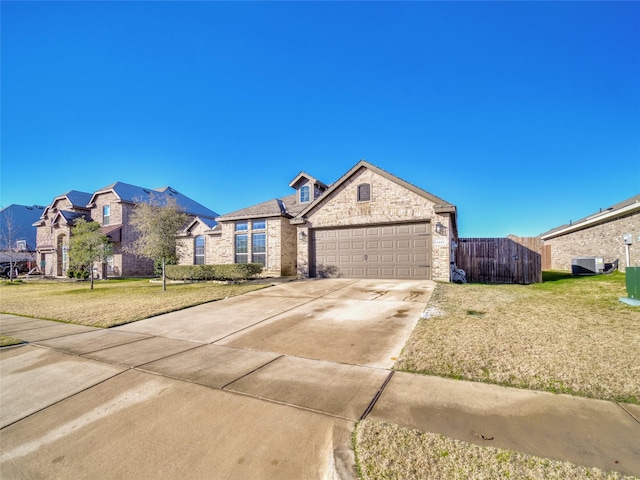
8	235
157	224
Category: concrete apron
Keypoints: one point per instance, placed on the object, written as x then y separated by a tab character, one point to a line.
193	409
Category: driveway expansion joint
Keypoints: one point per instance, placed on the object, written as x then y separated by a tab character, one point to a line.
636	419
376	396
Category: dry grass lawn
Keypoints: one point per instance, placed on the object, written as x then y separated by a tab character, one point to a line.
567	334
393	452
110	303
6	341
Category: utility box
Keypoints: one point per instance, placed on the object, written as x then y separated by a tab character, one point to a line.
633	282
587	265
627	239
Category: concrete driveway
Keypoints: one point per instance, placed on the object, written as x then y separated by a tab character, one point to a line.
266	385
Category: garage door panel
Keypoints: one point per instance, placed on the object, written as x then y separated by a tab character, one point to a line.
421	228
387	251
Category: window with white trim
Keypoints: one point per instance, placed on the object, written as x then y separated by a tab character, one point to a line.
259	248
199	250
242	248
254	251
106	214
305	193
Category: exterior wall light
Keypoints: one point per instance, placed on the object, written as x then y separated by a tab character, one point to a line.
302	235
441	229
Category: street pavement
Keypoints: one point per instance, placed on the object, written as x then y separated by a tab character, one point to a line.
268	385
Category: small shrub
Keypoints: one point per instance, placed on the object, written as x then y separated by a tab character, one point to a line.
80	273
231	272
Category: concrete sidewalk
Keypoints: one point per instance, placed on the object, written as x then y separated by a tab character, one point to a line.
266	385
587	432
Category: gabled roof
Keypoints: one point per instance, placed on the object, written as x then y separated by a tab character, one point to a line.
441	205
620	209
69	217
133	194
77	198
207	222
277	207
309	178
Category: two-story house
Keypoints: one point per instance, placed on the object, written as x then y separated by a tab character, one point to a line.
111	207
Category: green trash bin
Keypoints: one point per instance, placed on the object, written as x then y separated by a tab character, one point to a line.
633	282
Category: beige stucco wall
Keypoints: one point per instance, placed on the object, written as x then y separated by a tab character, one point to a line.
390	203
602	240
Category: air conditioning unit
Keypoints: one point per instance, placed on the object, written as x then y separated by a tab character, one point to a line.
587	265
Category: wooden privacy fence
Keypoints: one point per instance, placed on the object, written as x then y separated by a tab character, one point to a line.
501	260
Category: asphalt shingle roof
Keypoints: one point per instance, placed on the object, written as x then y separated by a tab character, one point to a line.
277	207
593	216
133	194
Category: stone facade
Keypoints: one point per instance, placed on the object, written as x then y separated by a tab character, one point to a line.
390	202
290	220
220	245
600	240
52	236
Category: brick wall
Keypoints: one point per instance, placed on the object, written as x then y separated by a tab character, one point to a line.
603	240
50	238
390	203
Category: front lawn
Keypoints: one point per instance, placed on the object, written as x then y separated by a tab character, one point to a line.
566	335
111	302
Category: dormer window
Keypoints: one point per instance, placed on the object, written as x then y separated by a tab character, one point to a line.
364	192
106	214
304	193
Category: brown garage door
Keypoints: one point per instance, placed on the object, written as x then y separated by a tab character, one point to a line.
385	251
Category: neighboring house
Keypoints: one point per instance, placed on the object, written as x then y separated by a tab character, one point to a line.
368	224
601	234
111	207
17	234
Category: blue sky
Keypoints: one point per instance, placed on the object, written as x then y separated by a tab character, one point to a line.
523	114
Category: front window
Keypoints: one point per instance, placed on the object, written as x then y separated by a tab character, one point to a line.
109	261
259	248
199	250
304	194
259	224
242	248
65	257
106	214
242	226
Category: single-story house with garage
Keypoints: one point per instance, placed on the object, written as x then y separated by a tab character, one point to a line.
604	234
367	224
